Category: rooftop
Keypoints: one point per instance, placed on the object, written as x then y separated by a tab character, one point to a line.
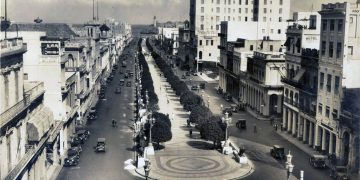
55	30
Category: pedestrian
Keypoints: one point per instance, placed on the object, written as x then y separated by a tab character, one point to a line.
276	127
190	132
281	127
188	123
168	101
255	130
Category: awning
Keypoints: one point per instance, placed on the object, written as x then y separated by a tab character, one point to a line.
39	124
299	75
287	42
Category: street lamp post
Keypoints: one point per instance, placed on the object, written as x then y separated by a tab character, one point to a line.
149	150
289	165
226	120
147	169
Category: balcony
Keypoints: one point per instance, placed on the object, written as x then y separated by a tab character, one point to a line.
308	111
291	82
291	102
35	91
12	46
80	68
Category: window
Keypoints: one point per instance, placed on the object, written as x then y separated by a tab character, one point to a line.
280	11
200	54
351	20
338	50
264	19
265	2
251	47
337	85
239	18
265	10
217	18
272	31
332	25
239	10
200	42
327	112
328	83
271	48
217	27
331	49
350	50
280	19
229	10
212	42
312	22
218	2
207	42
340	25
239	2
201	27
246	2
320	108
281	2
322	80
229	1
279	31
246	10
218	9
229	18
324	24
202	18
323	48
202	9
209	54
335	113
245	19
26	76
202	1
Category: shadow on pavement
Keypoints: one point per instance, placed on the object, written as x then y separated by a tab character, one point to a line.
201	145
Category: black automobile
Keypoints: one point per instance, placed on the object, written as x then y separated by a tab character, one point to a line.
118	90
126	75
227	97
227	110
241	124
122	82
100	145
75	141
84	134
71	161
128	84
219	90
202	85
102	95
339	173
318	161
194	88
278	152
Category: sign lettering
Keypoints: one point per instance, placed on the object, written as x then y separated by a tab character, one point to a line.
50	48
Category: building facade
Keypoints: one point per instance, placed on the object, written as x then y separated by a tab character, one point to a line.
300	82
206	16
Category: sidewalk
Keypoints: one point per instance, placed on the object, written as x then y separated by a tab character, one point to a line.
186	157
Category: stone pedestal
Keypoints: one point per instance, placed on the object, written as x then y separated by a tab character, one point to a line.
227	150
149	150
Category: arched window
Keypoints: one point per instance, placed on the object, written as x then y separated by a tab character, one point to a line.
200	54
71	60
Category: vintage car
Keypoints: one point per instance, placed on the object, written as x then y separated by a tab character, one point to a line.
318	161
227	97
122	82
128	84
75	141
126	75
339	173
202	85
241	124
278	152
195	88
234	108
100	146
71	161
118	90
83	133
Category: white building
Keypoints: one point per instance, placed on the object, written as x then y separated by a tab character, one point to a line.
206	15
169	38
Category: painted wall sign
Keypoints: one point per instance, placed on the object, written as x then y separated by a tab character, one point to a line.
50	48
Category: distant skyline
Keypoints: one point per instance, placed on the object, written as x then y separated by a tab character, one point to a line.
131	11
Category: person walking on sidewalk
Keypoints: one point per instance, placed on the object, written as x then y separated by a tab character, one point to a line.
255	130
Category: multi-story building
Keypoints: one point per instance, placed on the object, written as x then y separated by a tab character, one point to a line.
338	77
26	124
205	16
169	39
244	39
186	46
300	81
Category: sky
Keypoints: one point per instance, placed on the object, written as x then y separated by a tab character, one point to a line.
131	11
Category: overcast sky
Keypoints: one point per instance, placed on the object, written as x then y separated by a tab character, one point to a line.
132	11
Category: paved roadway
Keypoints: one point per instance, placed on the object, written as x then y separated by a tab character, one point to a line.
258	145
108	165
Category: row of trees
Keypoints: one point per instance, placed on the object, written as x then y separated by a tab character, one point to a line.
210	126
161	129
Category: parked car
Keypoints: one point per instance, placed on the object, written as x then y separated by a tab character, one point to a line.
118	90
83	132
71	161
73	153
100	146
227	110
318	161
194	74
131	73
234	108
128	84
195	88
122	82
278	152
75	141
202	85
126	75
92	110
227	97
219	90
339	173
102	95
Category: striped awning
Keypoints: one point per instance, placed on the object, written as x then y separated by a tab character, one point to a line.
39	123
